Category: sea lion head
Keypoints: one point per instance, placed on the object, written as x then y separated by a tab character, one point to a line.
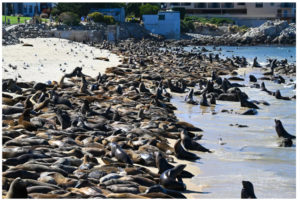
17	189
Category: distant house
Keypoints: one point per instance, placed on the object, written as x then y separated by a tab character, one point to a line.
250	13
166	23
29	9
117	13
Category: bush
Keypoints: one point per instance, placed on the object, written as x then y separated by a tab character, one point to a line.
186	26
69	18
96	17
109	19
43	15
181	10
55	12
149	9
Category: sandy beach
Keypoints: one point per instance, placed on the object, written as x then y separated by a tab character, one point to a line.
50	58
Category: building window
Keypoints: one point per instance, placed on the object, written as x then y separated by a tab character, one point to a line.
241	4
25	9
259	5
214	5
271	4
30	9
185	4
200	5
175	4
227	5
161	17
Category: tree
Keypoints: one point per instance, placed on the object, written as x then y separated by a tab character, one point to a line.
149	9
133	9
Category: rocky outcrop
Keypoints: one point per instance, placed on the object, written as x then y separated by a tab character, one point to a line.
271	32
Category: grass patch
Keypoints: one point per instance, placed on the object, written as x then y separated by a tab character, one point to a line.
14	19
213	20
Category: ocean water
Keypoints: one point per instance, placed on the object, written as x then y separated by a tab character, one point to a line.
250	52
250	153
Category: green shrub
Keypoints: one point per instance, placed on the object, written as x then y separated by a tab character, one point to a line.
109	19
186	26
69	18
149	9
55	12
96	17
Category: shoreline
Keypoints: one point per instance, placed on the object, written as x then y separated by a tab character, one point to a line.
192	189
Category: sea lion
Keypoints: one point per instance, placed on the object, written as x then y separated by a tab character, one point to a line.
120	155
63	118
281	132
286	142
159	188
245	103
247	190
181	153
255	63
17	189
189	98
168	178
163	165
278	96
190	144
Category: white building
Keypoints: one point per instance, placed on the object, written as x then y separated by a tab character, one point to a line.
166	23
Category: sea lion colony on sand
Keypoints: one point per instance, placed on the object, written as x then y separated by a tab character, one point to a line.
55	135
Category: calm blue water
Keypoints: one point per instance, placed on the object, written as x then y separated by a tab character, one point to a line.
250	52
250	153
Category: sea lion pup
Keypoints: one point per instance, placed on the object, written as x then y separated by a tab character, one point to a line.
163	165
247	190
203	101
159	188
122	156
189	98
255	63
190	144
63	118
181	153
281	132
245	103
17	189
278	96
170	178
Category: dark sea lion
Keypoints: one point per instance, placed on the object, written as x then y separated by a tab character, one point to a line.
169	181
247	190
286	142
252	78
251	111
255	63
120	155
278	96
190	144
63	118
125	195
159	188
17	189
245	103
163	165
281	132
181	153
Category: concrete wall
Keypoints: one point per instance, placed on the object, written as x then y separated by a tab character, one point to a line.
168	27
80	35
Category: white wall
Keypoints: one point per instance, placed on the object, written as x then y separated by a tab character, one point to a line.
169	27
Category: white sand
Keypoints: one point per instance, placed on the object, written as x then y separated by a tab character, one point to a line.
50	56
